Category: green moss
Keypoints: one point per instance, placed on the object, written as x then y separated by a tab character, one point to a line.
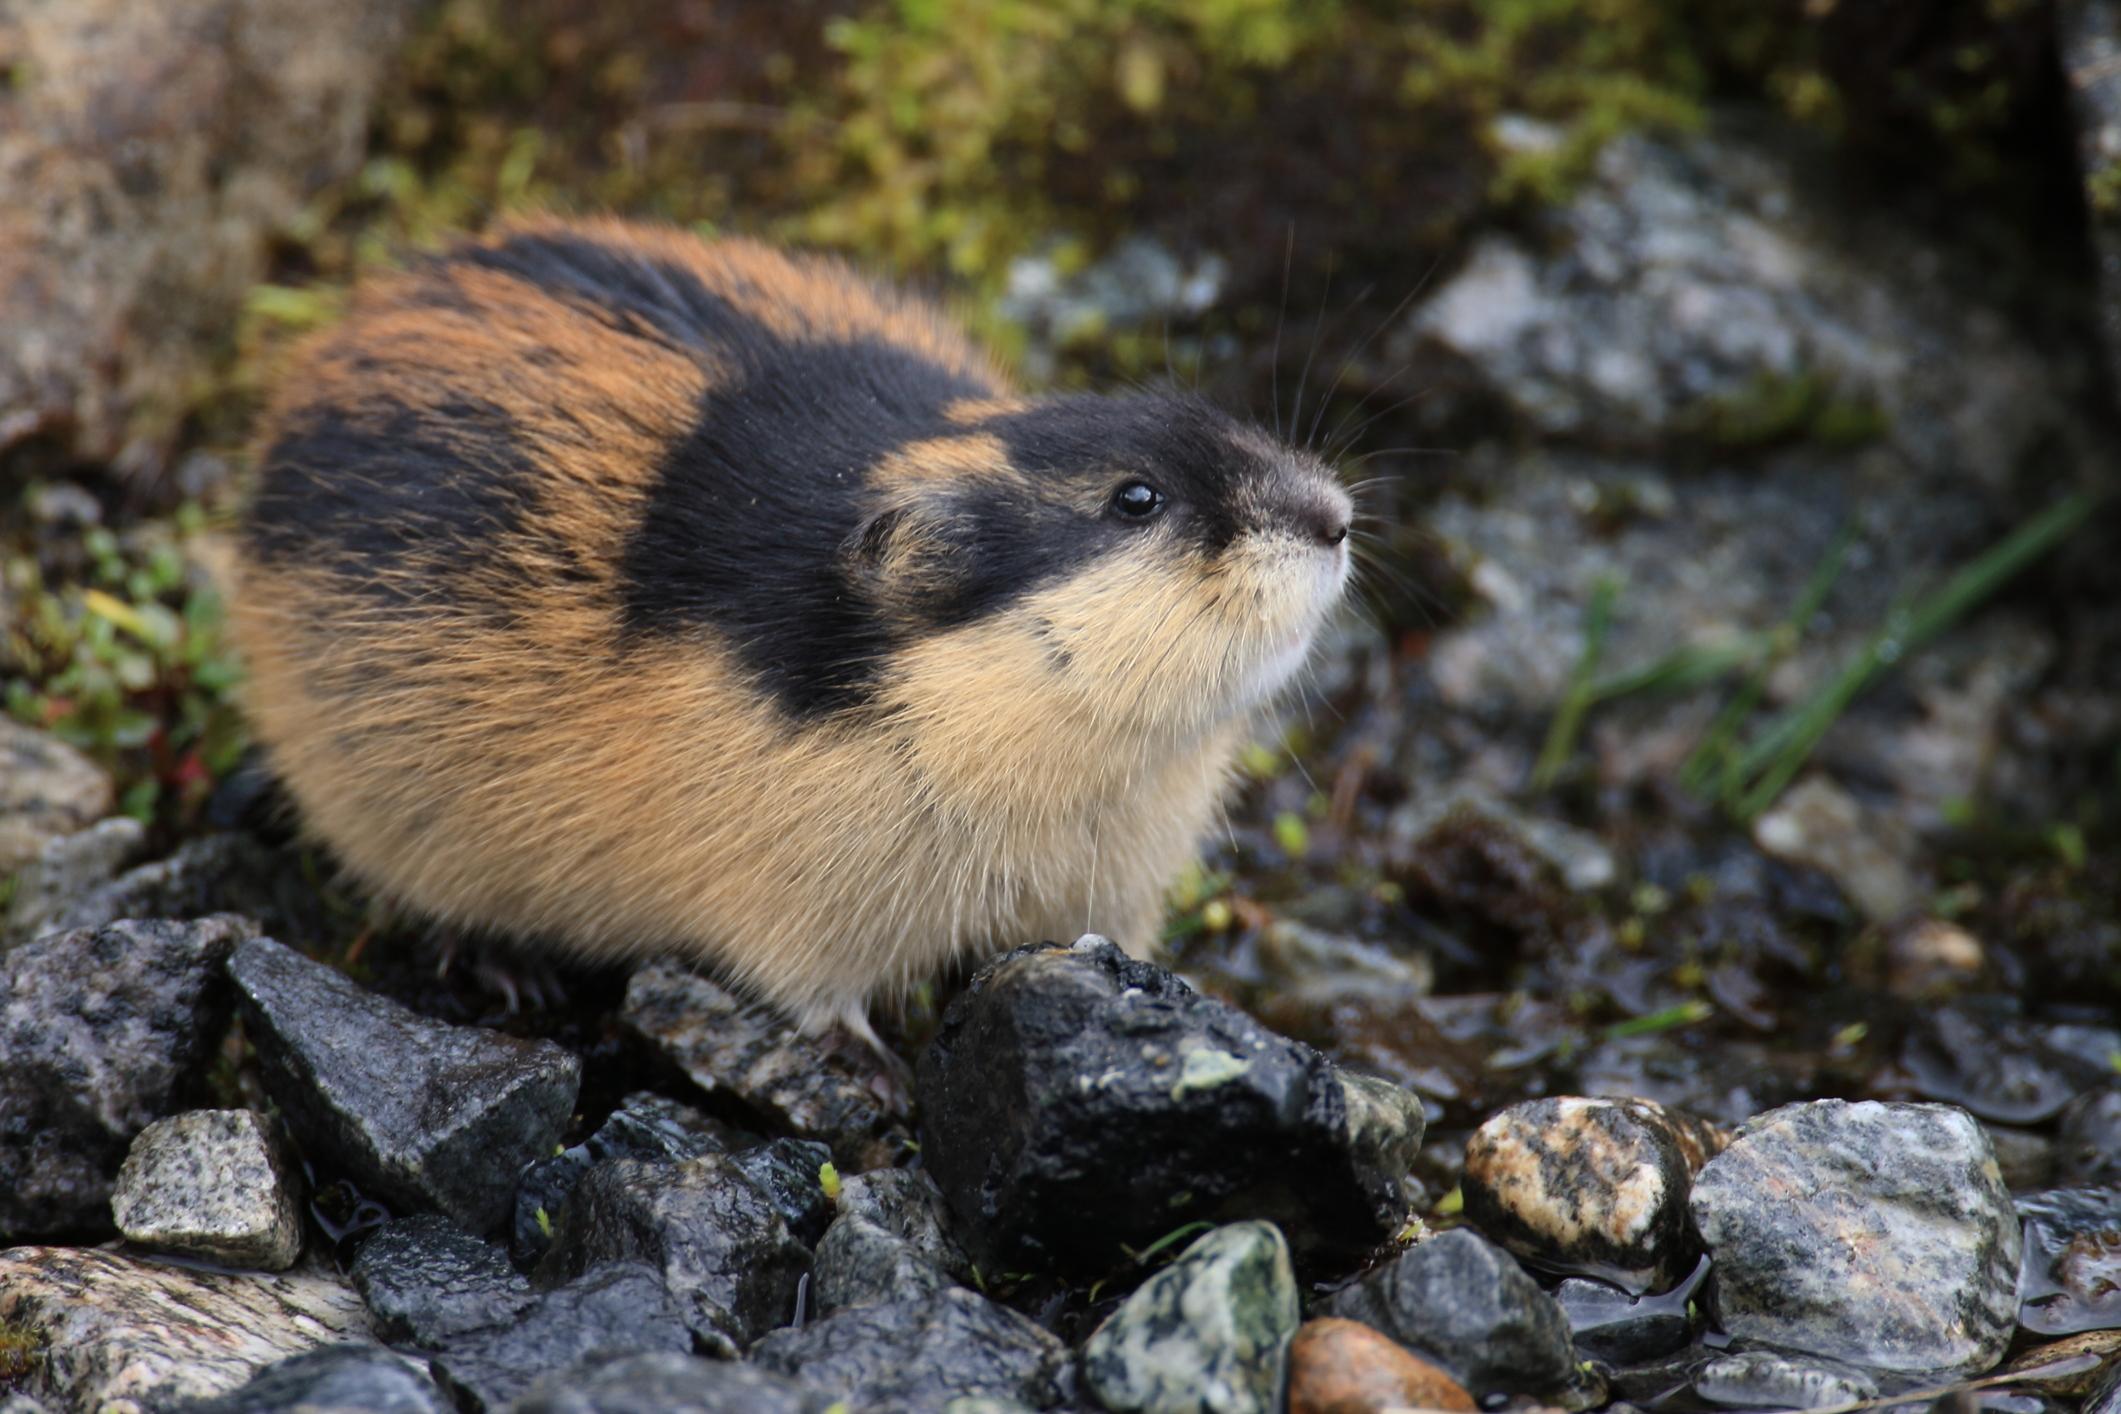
22	1349
1773	409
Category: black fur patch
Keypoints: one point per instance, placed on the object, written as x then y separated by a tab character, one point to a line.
634	293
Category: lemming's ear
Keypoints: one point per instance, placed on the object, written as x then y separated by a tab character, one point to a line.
904	559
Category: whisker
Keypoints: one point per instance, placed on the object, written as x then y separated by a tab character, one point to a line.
1281	315
1406	299
1296	414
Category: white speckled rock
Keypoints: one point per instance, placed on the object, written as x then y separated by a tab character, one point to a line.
122	1336
1878	1234
1210	1332
211	1183
47	789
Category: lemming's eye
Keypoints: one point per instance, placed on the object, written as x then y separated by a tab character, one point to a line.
1137	500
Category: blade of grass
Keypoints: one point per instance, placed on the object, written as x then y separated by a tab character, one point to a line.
1694	665
1576	697
1781	750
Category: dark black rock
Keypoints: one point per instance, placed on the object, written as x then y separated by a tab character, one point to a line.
723	1249
644	1126
1876	1234
671	1384
919	1353
907	1204
1997	1064
1610	1325
1653	1383
728	1046
1466	1304
789	1172
1597	1186
101	1033
427	1281
426	1114
888	1241
1076	1102
338	1379
226	873
2071	1277
620	1309
2088	1142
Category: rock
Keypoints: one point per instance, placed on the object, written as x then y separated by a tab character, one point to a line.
2071	1367
1608	1324
888	1241
2088	1140
2088	33
919	1353
1467	1305
1075	1102
723	1249
122	1336
65	868
418	1111
1901	1255
789	1172
427	1281
2026	1159
735	1048
210	874
1981	1055
1590	1185
2071	1277
671	1384
1136	284
1344	1367
101	1033
1764	1379
644	1126
48	790
1929	959
1210	1332
335	1379
1821	826
214	1184
150	153
1579	858
618	1309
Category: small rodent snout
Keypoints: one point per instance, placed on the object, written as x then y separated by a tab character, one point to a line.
1324	519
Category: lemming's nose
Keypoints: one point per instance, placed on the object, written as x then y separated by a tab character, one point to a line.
1327	523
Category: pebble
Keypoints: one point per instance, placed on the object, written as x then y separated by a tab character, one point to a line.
723	1249
427	1281
336	1379
672	1384
1877	1234
2071	1367
1980	1055
47	790
734	1048
1609	1324
644	1126
225	873
1076	1103
1344	1367
2071	1277
621	1308
1764	1379
100	1032
1597	1186
423	1113
1465	1303
2028	1160
2088	1139
214	1184
919	1353
888	1241
1209	1333
1928	959
66	868
123	1336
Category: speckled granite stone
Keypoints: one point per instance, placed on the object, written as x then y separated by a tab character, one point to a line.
211	1183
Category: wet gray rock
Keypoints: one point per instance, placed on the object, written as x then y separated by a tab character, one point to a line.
2071	1275
1597	1186
427	1281
731	1047
2088	1140
1609	1324
1136	284
1821	826
2026	1159
919	1353
1765	1379
123	1334
337	1379
1903	1254
64	869
227	873
215	1184
1981	1055
1466	1304
1076	1101
671	1384
790	1173
149	155
1581	860
644	1126
888	1241
426	1114
618	1309
48	790
1208	1333
722	1247
101	1033
2088	33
